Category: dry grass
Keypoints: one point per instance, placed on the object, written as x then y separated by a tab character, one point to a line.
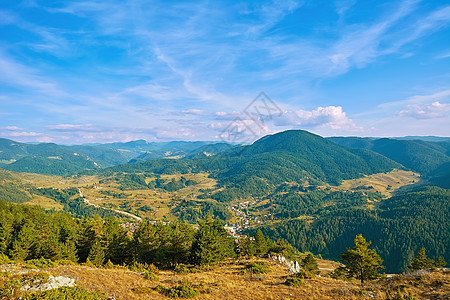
384	183
45	203
227	282
159	200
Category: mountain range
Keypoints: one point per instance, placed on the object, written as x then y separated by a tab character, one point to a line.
298	182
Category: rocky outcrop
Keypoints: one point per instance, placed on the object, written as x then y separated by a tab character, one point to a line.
293	266
53	282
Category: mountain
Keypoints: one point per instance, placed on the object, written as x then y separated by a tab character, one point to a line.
11	189
299	156
175	149
258	169
46	158
210	150
428	138
397	228
49	158
418	155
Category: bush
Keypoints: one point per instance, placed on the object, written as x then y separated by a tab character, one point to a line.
68	293
181	269
184	290
304	274
4	259
41	277
293	281
143	267
338	273
10	284
186	269
150	276
257	267
41	263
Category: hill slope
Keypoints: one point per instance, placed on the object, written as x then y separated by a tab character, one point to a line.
417	155
300	156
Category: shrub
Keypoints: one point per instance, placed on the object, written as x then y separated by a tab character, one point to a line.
68	293
186	269
257	267
184	290
150	276
293	281
4	259
338	273
181	269
41	263
304	274
41	277
143	267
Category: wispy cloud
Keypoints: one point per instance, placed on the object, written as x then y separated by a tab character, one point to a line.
429	111
332	117
194	111
121	66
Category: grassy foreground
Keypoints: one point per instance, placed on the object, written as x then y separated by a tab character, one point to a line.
228	281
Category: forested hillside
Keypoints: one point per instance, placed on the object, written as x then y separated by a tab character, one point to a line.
417	155
49	158
294	184
398	228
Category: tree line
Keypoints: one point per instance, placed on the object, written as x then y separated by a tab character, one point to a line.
26	232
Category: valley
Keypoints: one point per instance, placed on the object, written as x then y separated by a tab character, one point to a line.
304	193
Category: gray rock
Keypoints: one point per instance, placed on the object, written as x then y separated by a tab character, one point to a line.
53	282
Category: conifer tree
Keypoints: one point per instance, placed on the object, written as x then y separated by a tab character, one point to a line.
421	261
309	263
361	262
260	243
440	262
211	242
246	247
24	241
97	254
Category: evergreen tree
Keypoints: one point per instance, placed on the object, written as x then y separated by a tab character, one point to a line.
69	251
309	263
211	242
440	262
421	261
5	234
23	242
361	262
97	254
260	243
246	247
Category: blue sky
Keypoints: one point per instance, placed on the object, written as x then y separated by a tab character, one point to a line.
99	71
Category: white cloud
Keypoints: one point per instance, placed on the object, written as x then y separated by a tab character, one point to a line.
428	111
331	116
23	133
417	100
13	128
194	111
73	127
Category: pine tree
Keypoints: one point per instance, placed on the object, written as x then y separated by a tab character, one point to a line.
309	263
97	254
421	261
69	251
361	262
260	243
246	247
23	243
440	262
211	242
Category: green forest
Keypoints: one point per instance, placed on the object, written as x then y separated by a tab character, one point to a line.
28	233
398	228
